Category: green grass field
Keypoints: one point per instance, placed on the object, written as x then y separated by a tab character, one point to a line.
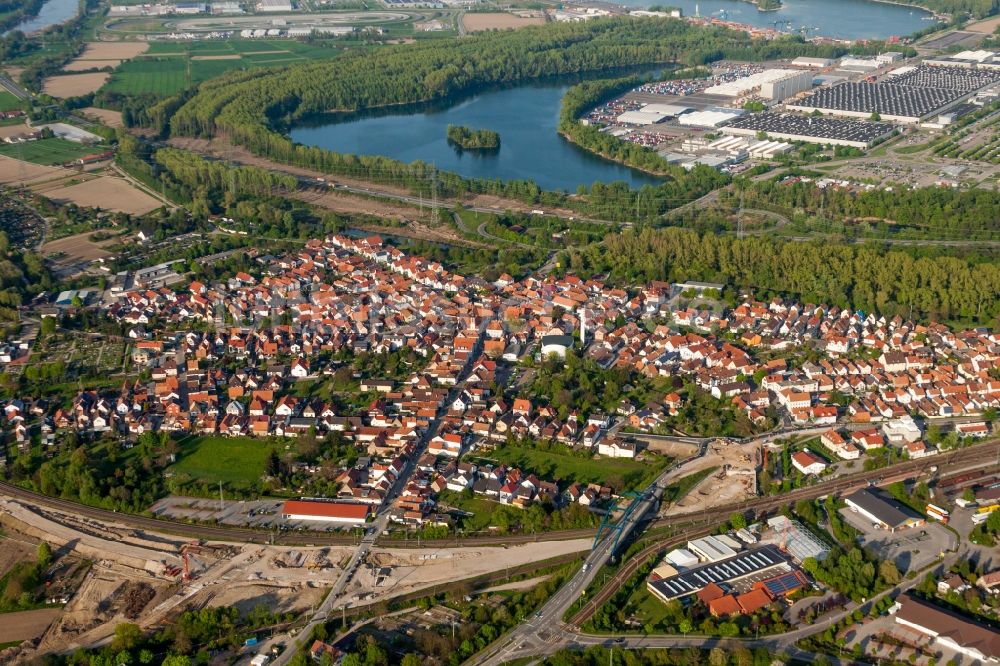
49	151
235	461
8	102
168	68
620	474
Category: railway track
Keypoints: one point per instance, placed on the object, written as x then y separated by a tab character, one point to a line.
984	453
978	452
250	535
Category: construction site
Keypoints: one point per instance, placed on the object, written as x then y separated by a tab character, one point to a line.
113	574
733	479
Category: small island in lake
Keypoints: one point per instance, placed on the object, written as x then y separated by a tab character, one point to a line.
768	5
467	138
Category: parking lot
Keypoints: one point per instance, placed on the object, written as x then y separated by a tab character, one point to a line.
260	514
911	549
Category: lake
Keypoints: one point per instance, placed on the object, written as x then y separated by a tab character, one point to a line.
842	19
52	13
525	116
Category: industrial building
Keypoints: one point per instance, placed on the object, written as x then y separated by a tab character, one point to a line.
948	629
709	118
714	548
755	82
909	96
764	562
326	512
969	59
826	131
274	5
814	63
789	85
883	511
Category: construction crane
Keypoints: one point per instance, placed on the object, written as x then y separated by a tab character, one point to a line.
186	550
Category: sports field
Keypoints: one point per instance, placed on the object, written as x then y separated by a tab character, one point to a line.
235	461
48	151
169	67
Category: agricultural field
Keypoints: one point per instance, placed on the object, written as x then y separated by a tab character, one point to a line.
478	22
48	151
8	102
98	55
168	68
235	461
106	193
74	85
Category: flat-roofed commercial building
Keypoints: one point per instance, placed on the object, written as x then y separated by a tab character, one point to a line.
344	513
764	562
884	511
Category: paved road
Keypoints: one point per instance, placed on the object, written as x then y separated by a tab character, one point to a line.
14	89
539	632
381	522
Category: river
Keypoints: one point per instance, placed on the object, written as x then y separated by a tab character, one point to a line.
842	19
525	116
52	13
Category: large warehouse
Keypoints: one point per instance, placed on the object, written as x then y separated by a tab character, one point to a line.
343	513
913	95
884	511
827	131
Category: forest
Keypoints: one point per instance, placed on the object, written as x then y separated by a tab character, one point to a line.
468	138
943	212
865	277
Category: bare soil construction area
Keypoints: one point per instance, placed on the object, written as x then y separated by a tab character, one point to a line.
734	480
27	625
395	571
498	21
985	27
74	85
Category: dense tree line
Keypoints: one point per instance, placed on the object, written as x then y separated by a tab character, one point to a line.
197	172
959	212
973	8
868	278
586	95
